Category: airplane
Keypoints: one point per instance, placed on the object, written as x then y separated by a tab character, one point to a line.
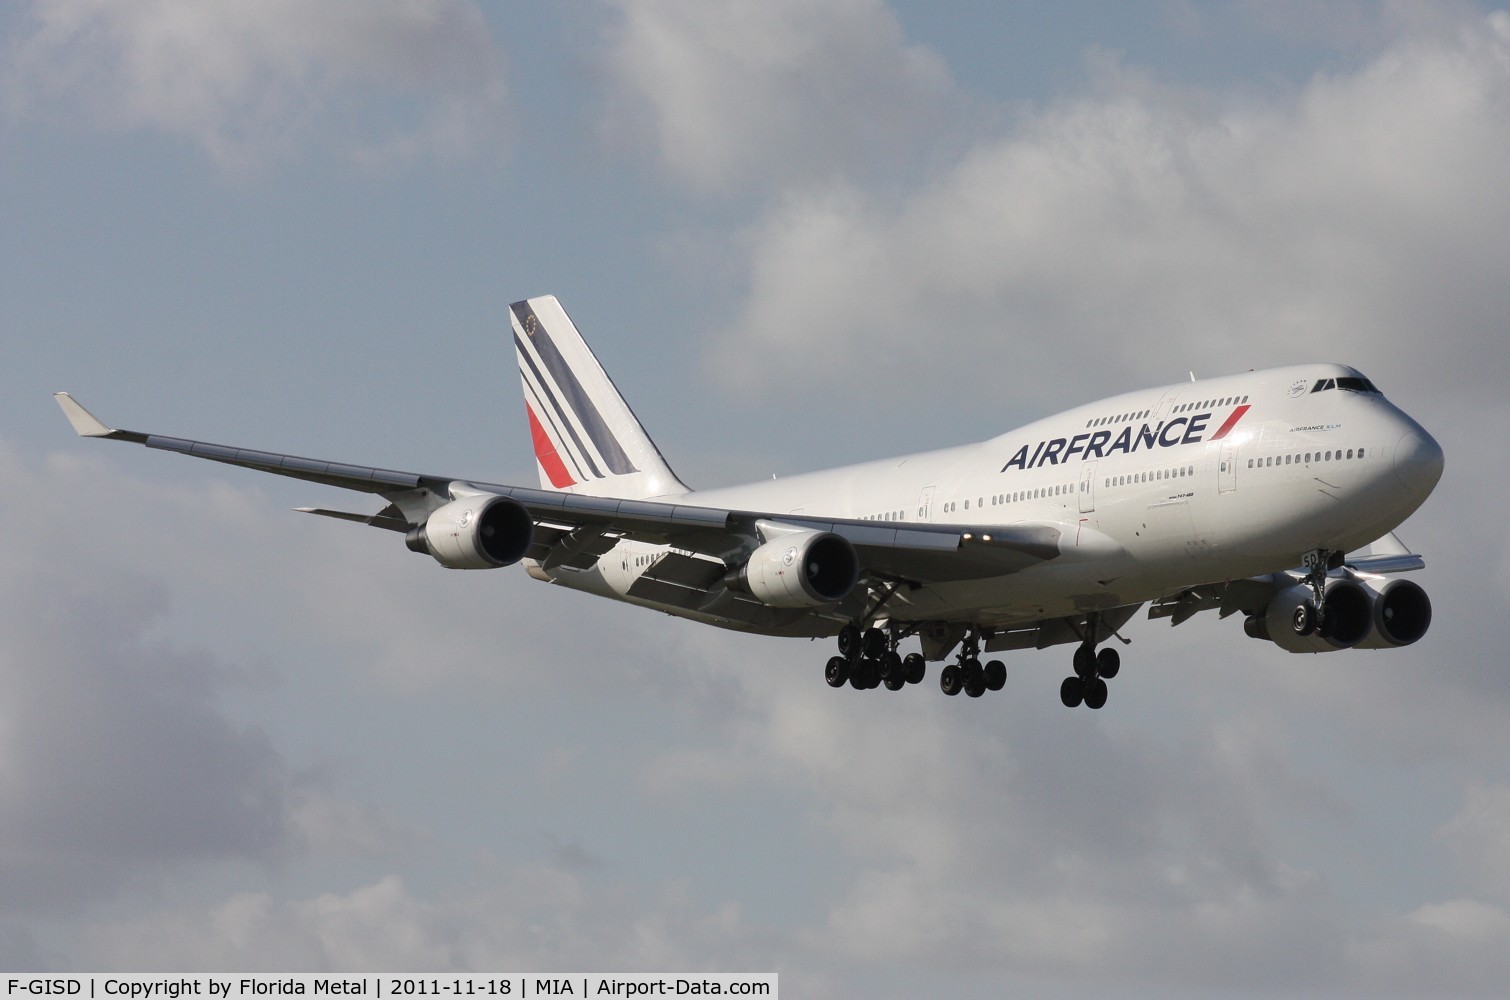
1272	493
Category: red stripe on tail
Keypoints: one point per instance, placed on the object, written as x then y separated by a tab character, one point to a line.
545	454
1237	415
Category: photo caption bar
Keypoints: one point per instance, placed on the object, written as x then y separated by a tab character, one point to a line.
101	986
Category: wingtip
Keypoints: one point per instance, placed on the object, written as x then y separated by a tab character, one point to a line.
85	424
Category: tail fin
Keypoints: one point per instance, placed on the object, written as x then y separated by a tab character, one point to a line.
587	439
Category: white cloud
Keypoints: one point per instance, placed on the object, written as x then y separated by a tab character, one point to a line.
1121	239
1479	836
253	83
734	94
527	918
118	758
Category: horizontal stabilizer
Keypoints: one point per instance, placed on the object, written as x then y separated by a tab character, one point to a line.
383	519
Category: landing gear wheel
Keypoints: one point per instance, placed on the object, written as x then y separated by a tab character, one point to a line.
894	683
1072	692
891	669
914	667
996	675
837	671
1095	693
849	642
950	680
1108	662
1085	662
974	677
1303	621
865	675
873	643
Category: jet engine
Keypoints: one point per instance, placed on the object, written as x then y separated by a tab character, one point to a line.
477	532
1292	623
803	569
1402	614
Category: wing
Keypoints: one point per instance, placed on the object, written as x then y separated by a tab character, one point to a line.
573	530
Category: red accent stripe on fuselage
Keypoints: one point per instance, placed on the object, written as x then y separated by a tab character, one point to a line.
545	453
1237	415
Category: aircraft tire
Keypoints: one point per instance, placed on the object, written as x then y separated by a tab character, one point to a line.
1095	693
1108	662
891	666
1085	662
914	666
950	680
1303	620
996	675
1072	692
849	642
873	643
857	676
894	683
837	671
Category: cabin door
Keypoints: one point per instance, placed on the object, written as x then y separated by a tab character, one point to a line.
1088	487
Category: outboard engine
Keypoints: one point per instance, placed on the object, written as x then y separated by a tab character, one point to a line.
475	532
1402	614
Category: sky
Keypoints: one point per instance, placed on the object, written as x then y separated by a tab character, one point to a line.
236	738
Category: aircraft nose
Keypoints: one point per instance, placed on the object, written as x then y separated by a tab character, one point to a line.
1418	461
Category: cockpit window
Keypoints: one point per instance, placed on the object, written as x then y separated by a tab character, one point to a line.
1351	383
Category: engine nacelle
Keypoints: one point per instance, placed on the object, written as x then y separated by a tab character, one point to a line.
481	532
804	569
1347	618
1402	614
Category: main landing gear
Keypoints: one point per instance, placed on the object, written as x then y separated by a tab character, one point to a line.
869	659
1092	670
968	674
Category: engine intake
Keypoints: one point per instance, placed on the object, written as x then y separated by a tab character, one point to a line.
1402	614
804	569
479	532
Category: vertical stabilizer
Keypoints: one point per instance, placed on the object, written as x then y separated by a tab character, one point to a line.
587	439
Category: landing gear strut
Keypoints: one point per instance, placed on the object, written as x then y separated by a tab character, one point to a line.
1092	670
1310	617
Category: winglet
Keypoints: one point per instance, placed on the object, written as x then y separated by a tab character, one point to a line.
86	424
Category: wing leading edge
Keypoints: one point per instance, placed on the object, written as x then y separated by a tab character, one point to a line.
581	527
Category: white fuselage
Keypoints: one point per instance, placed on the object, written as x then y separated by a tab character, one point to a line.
1153	492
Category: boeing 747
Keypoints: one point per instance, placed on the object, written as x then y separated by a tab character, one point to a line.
1271	494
